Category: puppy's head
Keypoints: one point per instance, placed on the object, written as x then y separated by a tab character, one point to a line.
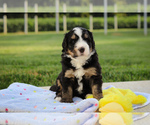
78	42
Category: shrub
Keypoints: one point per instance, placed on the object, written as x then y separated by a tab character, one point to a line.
48	24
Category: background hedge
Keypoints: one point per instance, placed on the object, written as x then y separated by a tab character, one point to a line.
48	24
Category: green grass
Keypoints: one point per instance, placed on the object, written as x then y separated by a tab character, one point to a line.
35	59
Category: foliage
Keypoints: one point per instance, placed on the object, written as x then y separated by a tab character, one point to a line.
48	24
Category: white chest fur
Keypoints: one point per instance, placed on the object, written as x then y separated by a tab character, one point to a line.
79	72
78	63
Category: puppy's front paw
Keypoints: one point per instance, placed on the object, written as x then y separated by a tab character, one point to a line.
98	96
58	98
67	100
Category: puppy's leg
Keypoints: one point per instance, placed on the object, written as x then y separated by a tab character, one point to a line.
58	88
67	95
97	92
67	82
97	89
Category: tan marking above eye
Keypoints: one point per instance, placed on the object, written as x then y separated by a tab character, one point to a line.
86	35
91	49
73	36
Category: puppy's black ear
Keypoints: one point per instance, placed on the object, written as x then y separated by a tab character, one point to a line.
65	44
92	40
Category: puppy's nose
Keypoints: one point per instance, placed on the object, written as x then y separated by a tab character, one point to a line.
81	49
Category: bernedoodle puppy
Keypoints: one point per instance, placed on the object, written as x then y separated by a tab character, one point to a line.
81	71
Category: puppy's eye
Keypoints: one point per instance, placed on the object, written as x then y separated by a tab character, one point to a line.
73	36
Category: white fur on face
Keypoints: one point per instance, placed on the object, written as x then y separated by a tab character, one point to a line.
81	43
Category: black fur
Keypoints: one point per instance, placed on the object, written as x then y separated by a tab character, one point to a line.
66	87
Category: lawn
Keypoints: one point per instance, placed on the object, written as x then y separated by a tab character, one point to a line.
35	59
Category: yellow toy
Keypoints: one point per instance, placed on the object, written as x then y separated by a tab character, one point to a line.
115	104
119	100
115	118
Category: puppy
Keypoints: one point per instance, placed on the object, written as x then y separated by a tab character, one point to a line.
81	71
